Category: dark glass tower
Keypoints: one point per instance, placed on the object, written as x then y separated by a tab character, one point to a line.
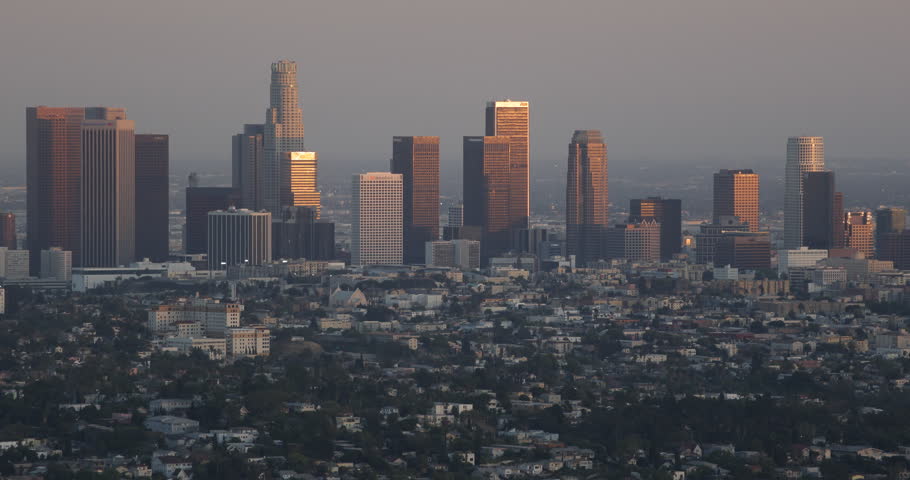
417	160
152	197
587	201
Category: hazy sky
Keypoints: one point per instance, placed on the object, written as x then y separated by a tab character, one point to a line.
665	80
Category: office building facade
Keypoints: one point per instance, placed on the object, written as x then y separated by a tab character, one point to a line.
736	193
888	220
859	232
804	155
819	216
634	241
416	159
377	219
667	212
199	202
587	196
486	191
246	164
239	237
300	187
108	193
152	197
744	250
282	132
57	264
512	119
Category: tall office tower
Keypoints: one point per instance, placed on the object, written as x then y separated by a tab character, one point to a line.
57	264
299	187
199	202
246	164
667	212
736	194
377	212
512	119
486	192
818	214
53	171
294	233
859	231
239	237
804	155
888	220
587	200
744	250
108	197
8	230
282	132
417	160
152	197
710	234
456	215
634	241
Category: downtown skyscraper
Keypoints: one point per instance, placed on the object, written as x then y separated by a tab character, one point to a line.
282	133
587	201
108	193
486	187
804	155
54	177
152	197
511	119
417	160
736	194
376	219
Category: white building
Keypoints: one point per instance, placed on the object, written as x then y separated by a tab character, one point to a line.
726	273
800	257
88	278
804	154
239	237
213	315
57	264
252	341
215	348
377	217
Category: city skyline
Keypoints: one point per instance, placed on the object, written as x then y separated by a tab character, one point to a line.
660	103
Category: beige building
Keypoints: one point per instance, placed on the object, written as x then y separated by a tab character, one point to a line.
213	347
252	341
300	188
213	317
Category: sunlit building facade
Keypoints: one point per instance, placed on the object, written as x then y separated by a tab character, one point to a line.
804	155
587	200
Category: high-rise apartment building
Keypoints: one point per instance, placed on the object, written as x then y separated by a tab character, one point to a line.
859	231
199	202
246	164
819	217
417	160
804	155
634	241
108	193
8	230
512	119
736	194
152	197
54	178
486	191
300	186
587	199
377	216
667	212
282	132
239	237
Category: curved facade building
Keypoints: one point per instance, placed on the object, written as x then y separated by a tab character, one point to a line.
283	132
